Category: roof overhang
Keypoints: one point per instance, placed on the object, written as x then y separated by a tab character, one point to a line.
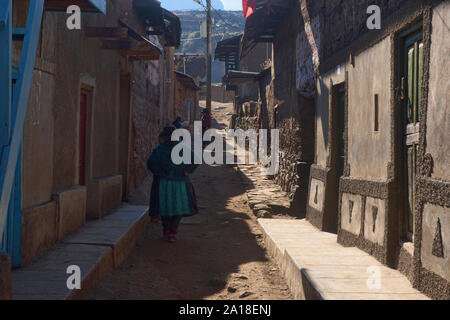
126	41
263	24
228	47
96	6
187	80
159	21
236	78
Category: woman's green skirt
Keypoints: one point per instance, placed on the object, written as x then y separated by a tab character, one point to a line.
176	198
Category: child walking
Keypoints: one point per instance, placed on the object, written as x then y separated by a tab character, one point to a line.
172	196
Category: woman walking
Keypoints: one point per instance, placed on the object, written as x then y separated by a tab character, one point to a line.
172	196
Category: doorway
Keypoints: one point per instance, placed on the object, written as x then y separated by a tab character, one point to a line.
410	96
125	134
340	131
337	114
82	138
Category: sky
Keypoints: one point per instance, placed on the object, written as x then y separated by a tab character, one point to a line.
232	4
190	4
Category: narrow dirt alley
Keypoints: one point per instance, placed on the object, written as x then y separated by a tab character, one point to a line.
219	254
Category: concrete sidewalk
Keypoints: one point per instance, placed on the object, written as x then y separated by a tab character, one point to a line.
97	248
316	267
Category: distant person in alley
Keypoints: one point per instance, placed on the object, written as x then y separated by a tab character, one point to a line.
172	196
206	123
177	123
206	120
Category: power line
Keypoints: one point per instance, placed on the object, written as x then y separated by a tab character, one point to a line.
214	35
201	3
216	12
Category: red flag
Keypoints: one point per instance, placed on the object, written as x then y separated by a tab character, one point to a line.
249	7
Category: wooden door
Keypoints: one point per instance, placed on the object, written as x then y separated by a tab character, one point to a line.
411	84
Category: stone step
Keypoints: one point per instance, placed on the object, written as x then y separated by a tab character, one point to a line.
316	267
97	248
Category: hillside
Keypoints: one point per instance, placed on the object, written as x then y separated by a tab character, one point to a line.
188	5
226	24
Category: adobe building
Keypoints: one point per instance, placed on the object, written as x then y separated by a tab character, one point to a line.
94	111
192	64
152	87
380	137
241	70
186	97
378	145
286	102
220	93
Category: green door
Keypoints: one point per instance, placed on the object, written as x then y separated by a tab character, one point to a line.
411	96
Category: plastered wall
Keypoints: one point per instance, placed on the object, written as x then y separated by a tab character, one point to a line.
369	150
438	117
336	76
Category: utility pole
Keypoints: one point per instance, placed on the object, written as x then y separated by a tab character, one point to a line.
208	54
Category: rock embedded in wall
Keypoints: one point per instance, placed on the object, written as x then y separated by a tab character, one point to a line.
287	178
307	57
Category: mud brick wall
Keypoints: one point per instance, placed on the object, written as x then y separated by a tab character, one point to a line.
221	94
183	95
146	120
195	66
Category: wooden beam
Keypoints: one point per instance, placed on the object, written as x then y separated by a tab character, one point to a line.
144	58
85	5
116	44
137	52
105	32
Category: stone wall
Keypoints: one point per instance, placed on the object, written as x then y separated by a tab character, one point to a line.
146	121
294	114
248	116
284	108
185	95
345	21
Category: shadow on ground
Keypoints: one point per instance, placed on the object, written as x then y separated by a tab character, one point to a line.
218	254
208	257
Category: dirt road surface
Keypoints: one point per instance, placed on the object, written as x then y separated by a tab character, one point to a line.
219	254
